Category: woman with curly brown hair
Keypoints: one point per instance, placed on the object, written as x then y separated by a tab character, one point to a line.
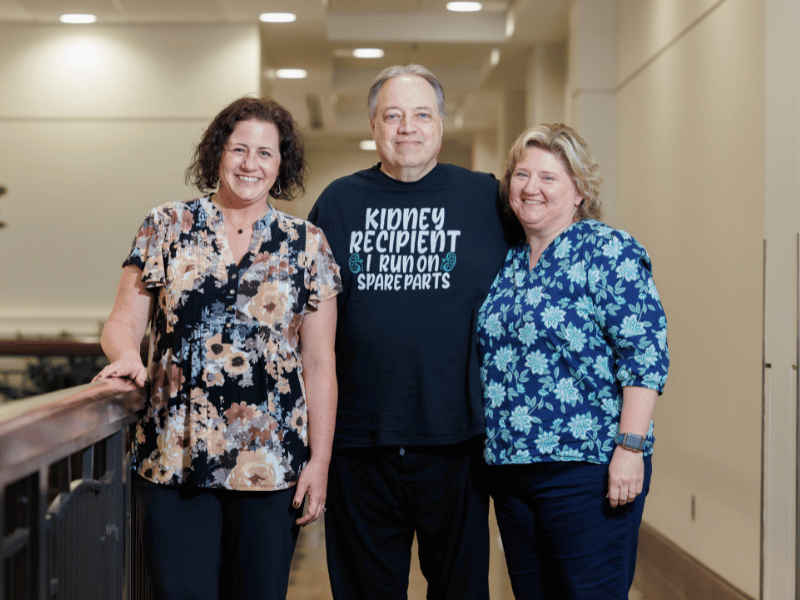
238	427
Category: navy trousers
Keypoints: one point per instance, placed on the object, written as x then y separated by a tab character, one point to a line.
210	544
562	539
379	498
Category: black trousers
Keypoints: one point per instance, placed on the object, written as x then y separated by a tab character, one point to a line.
378	498
211	544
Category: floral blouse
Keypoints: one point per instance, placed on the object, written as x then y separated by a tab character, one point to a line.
559	342
227	402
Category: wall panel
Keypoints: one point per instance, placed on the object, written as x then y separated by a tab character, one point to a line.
690	177
649	26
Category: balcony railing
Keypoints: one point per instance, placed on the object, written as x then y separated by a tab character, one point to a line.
45	365
65	506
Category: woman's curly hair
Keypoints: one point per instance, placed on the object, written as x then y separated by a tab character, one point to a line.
203	173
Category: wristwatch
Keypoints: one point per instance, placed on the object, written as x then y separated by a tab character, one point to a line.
631	441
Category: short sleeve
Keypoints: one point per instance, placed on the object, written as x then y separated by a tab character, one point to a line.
629	310
324	280
147	251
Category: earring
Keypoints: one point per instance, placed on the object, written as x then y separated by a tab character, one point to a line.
278	193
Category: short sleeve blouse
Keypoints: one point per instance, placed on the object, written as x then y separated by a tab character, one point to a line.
559	342
227	402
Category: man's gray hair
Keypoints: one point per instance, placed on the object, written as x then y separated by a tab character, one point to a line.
396	71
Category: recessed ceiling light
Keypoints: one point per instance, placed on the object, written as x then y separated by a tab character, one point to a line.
291	73
367	145
277	17
368	53
464	6
77	18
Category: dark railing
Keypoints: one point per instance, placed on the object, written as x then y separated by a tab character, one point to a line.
49	347
51	364
65	500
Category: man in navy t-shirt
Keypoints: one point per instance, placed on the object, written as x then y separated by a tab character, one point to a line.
419	244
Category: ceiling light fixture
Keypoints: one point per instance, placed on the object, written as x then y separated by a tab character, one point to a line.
368	53
291	73
77	18
464	6
367	145
277	17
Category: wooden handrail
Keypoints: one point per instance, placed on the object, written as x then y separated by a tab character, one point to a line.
55	347
45	428
49	348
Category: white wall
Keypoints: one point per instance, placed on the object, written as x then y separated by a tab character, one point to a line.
98	125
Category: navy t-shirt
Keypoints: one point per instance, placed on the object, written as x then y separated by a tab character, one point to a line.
417	260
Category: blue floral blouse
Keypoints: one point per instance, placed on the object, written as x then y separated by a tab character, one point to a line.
559	342
227	402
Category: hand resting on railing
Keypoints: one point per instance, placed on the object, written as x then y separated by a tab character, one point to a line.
130	369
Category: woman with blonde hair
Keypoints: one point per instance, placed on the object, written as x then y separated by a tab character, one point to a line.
574	355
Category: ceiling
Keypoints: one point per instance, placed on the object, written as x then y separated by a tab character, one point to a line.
331	101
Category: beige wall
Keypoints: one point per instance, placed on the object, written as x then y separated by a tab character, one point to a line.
98	125
690	187
545	84
590	88
326	162
782	219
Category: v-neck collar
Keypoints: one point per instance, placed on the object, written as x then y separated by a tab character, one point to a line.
524	251
261	233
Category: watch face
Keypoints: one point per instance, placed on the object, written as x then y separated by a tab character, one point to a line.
636	442
630	441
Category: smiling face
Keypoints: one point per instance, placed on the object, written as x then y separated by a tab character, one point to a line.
407	127
543	195
250	163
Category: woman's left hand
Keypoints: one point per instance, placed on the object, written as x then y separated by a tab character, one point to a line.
313	482
625	476
317	335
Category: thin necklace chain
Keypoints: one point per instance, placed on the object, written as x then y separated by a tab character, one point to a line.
228	218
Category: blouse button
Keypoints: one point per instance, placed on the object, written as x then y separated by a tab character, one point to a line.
227	325
233	276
